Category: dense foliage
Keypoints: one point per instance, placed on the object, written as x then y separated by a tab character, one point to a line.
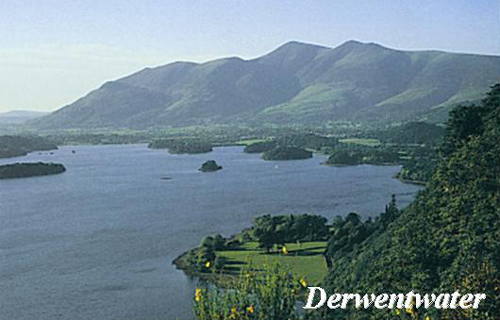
420	165
23	170
270	230
269	293
411	132
349	232
448	239
345	157
182	145
307	141
15	146
363	155
209	166
259	147
286	153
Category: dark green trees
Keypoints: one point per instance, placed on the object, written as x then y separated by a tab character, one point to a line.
345	157
259	147
448	239
23	170
270	230
210	166
286	153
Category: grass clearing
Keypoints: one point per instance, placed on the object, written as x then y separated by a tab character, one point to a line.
304	260
363	142
246	142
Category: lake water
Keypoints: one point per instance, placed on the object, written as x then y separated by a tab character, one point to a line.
97	241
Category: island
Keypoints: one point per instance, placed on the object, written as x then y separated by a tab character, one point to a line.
259	147
286	153
180	146
344	158
24	170
210	166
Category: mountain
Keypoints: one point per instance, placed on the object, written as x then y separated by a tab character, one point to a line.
297	83
19	116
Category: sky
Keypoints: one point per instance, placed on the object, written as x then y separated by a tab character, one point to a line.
54	52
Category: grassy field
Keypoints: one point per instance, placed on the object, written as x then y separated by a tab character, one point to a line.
364	142
247	142
305	260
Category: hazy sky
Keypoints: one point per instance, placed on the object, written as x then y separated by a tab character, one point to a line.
53	52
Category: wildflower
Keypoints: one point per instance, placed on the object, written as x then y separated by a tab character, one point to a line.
234	311
207	264
398	312
427	318
410	310
250	309
198	295
303	282
285	251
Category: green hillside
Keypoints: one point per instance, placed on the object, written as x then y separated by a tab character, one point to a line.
448	239
295	84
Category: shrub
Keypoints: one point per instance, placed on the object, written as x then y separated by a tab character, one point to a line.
270	293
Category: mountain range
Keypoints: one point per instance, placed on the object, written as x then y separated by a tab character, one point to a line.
297	83
19	116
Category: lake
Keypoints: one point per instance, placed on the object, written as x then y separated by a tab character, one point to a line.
97	241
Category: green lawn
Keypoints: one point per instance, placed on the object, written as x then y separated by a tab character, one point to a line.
247	142
305	260
364	142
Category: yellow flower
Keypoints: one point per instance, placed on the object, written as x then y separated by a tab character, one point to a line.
398	312
198	295
207	264
285	251
234	310
410	310
250	309
427	318
303	282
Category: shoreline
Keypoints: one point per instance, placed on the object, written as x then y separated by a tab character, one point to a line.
409	181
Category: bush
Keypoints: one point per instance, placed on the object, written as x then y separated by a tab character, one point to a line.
271	293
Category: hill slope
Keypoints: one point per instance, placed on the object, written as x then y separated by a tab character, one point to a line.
448	239
295	84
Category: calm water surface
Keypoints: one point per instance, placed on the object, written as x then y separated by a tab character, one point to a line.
97	241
